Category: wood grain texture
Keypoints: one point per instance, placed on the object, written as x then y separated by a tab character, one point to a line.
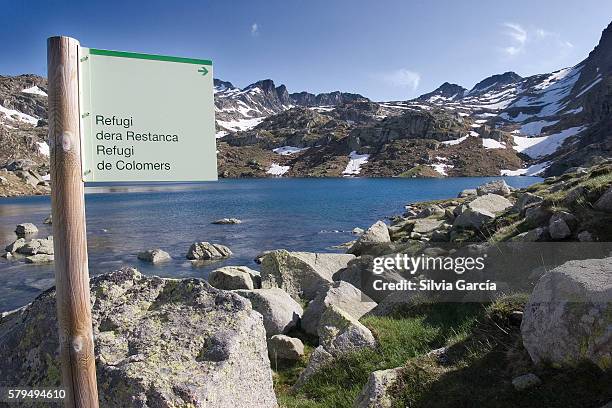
69	232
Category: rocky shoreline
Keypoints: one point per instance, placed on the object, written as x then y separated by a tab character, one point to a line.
250	338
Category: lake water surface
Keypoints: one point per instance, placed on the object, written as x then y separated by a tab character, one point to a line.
296	214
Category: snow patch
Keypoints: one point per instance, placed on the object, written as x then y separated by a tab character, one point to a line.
278	170
493	144
353	168
535	128
442	167
533	170
287	150
43	148
541	146
35	90
20	116
240	124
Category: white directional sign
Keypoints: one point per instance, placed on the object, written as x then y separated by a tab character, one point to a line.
146	117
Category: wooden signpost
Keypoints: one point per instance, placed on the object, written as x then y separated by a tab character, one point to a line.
69	234
114	116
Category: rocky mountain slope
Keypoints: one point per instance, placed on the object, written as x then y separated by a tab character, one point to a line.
543	124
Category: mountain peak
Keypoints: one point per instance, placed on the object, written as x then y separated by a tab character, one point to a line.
446	91
496	81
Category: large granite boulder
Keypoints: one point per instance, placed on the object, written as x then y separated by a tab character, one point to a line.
376	234
359	272
207	251
339	333
604	203
480	210
280	311
158	343
234	277
301	274
339	294
498	187
37	246
569	314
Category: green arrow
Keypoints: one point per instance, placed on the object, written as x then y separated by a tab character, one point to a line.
203	70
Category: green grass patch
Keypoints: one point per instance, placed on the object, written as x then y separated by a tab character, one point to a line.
483	364
400	337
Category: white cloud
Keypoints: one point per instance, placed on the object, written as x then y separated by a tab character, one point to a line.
518	36
254	29
402	77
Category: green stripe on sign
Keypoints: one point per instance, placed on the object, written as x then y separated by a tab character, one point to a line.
109	53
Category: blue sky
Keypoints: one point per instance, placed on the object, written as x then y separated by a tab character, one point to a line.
385	49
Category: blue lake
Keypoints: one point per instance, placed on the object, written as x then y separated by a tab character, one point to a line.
296	214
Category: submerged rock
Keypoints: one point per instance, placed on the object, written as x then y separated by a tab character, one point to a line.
206	251
154	256
227	221
159	343
26	229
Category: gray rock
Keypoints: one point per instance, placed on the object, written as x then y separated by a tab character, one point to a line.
377	233
154	256
536	215
48	220
569	314
558	228
206	250
26	229
340	333
481	210
426	225
358	273
357	231
525	381
281	347
158	343
539	234
376	392
526	199
227	221
318	359
498	187
15	245
431	210
280	312
39	259
604	203
260	257
301	274
585	236
37	246
232	277
340	294
440	355
467	193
